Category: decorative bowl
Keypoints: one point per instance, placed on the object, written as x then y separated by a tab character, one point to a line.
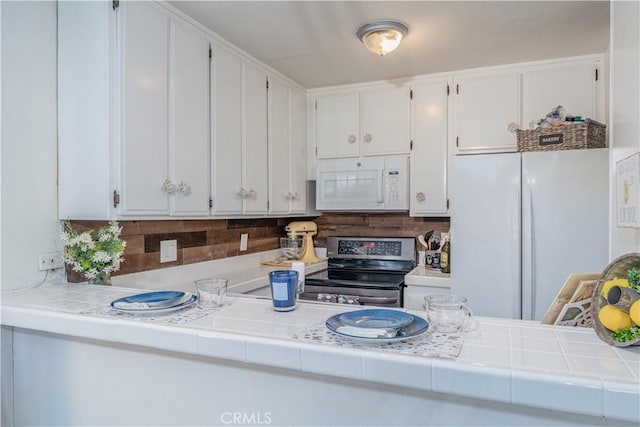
290	248
617	269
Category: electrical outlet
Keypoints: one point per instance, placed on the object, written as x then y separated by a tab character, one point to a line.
50	261
168	250
244	240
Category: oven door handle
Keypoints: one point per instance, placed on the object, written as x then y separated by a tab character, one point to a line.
377	300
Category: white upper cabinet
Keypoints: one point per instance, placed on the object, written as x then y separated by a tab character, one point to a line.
385	121
287	149
144	101
256	187
363	122
227	133
164	114
298	147
145	133
483	105
338	126
577	86
428	183
190	136
240	176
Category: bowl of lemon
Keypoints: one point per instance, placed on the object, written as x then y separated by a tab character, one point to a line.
615	302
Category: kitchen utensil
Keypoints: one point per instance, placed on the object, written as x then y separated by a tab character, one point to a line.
423	242
434	242
305	230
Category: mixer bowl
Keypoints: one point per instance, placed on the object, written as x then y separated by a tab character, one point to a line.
290	248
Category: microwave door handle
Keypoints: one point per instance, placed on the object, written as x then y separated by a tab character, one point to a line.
381	188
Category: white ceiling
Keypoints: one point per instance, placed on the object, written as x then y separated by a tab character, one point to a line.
314	42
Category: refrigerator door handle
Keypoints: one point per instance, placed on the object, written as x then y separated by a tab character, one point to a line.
528	279
516	248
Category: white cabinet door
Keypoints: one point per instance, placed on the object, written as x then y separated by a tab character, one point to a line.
298	147
189	163
279	152
337	126
227	133
287	149
575	86
428	185
255	140
483	107
385	121
144	47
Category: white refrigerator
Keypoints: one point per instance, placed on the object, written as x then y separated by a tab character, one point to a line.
522	222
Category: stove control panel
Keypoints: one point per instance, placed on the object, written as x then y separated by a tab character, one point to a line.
369	247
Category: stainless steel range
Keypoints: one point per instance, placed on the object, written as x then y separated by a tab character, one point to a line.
363	271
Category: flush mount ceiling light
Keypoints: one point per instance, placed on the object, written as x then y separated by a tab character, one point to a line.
383	36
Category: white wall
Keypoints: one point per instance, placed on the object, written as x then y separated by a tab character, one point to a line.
624	129
29	140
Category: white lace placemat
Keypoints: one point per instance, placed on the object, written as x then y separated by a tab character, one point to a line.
179	317
429	344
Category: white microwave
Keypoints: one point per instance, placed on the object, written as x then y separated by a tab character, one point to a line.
370	184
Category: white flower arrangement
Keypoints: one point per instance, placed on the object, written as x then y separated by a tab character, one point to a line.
93	257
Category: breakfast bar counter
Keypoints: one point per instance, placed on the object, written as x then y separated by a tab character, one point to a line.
78	362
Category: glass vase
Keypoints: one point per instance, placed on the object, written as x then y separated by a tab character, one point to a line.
101	279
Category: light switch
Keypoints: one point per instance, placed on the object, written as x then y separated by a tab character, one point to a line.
168	250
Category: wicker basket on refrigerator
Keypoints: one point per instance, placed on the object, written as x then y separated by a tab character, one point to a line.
572	136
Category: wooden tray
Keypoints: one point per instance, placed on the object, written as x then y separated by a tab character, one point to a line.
617	269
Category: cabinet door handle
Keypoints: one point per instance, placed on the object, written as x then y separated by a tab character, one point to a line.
252	194
168	187
242	193
420	196
296	196
352	139
184	189
368	137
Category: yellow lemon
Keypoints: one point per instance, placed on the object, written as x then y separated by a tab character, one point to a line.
634	312
615	282
613	318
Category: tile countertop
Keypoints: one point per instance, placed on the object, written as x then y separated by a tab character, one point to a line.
422	276
510	361
245	273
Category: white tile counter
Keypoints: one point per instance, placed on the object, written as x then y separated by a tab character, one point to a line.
510	362
245	273
421	282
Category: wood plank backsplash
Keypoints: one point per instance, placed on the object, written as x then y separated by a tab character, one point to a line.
204	240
